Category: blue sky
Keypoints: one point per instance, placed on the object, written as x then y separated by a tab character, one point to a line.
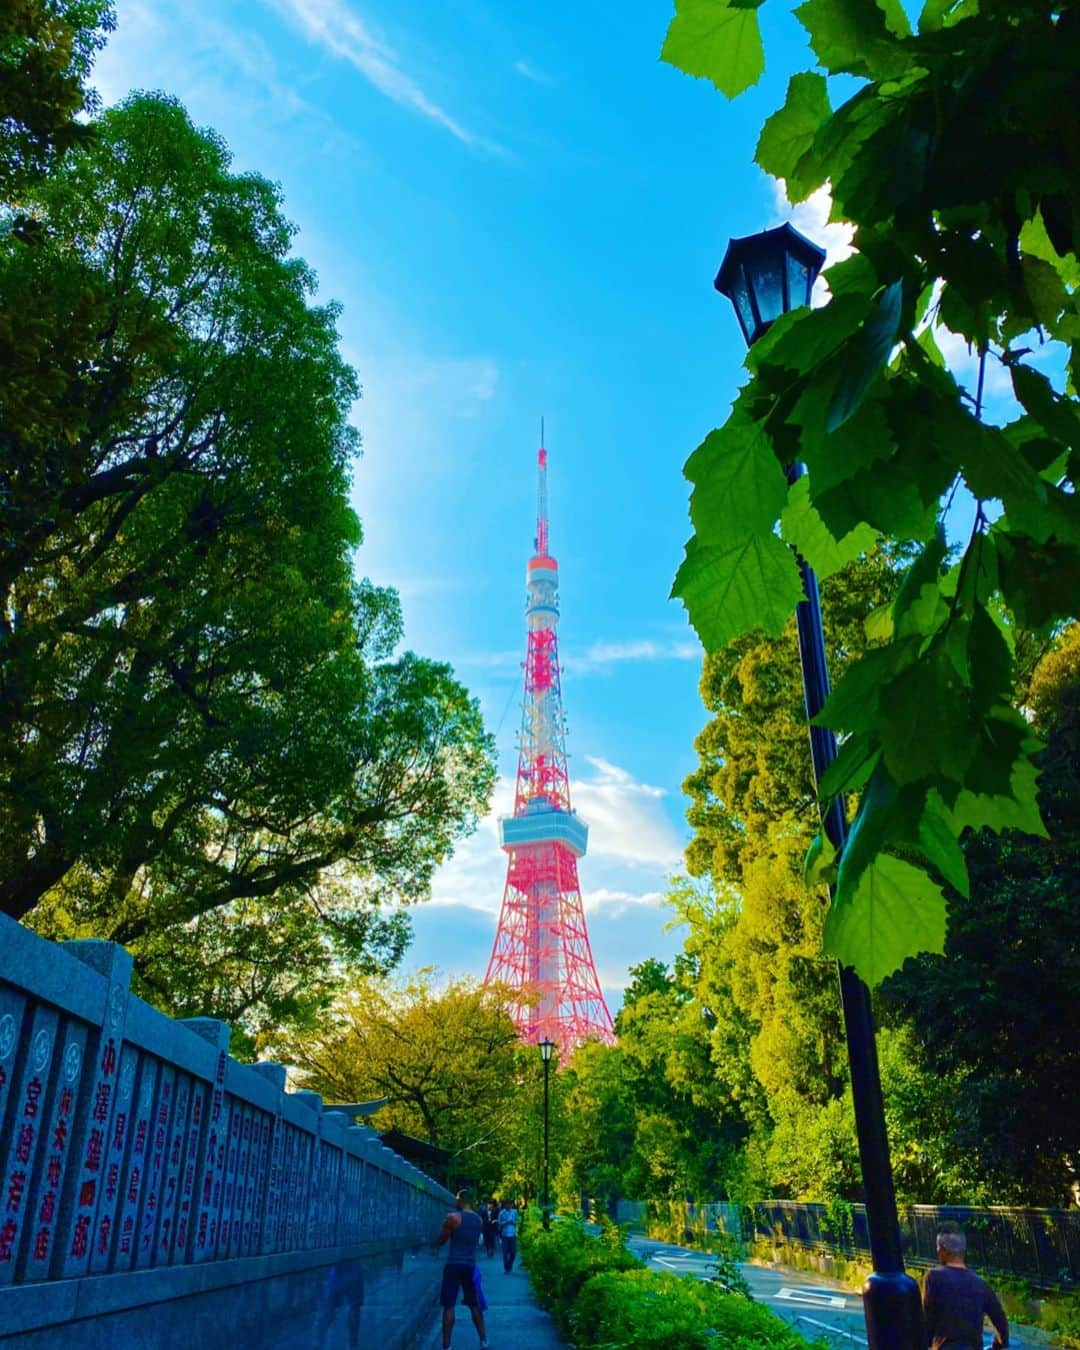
521	210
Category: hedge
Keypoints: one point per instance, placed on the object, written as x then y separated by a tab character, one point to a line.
603	1298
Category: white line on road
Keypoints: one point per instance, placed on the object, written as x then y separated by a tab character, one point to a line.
812	1298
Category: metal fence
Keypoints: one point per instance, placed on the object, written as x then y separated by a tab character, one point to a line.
129	1141
1038	1245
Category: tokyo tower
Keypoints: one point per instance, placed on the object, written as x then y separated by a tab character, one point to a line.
541	952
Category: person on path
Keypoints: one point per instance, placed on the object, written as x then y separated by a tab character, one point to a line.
508	1222
462	1230
955	1300
490	1217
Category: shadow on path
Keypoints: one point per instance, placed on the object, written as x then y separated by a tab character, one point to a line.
514	1321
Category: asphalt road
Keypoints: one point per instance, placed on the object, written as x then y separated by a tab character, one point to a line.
818	1307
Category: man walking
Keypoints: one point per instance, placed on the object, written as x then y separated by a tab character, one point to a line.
955	1300
462	1229
508	1221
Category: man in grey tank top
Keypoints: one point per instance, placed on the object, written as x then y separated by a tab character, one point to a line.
462	1230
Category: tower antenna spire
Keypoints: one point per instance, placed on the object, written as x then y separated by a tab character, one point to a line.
541	499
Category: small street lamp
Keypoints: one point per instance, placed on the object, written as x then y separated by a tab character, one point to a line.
765	275
546	1048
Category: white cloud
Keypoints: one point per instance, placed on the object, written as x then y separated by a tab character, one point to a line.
615	904
530	72
223	65
337	29
626	818
628	830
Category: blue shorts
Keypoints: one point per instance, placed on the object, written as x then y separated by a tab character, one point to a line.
455	1277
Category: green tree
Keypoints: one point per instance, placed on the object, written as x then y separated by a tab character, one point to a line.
205	724
46	50
649	1118
444	1055
996	1013
769	997
948	155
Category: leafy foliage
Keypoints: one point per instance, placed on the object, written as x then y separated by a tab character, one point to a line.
654	1310
211	750
445	1057
646	1117
46	49
563	1258
955	160
995	1012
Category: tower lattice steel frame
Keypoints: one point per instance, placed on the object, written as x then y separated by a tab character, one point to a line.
541	953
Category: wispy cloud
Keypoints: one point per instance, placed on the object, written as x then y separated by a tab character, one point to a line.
530	72
334	26
225	65
603	656
598	659
615	903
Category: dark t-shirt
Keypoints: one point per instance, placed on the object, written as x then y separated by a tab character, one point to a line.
464	1238
955	1300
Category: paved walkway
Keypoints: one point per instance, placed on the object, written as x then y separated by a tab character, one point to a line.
514	1322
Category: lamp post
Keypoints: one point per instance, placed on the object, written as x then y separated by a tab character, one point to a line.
764	276
546	1048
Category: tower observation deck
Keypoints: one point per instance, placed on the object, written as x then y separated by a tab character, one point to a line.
541	954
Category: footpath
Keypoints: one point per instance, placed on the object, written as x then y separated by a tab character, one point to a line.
514	1321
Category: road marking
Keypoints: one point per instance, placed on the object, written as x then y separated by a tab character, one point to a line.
810	1297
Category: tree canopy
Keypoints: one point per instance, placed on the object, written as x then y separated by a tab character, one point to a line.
444	1055
46	49
212	749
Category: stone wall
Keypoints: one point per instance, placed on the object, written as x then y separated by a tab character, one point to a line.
156	1192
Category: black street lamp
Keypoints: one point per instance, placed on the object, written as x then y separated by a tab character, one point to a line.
546	1048
764	276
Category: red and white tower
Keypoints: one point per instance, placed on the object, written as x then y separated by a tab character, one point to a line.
541	950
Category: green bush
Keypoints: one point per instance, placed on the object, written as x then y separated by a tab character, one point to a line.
562	1258
601	1295
649	1310
1061	1317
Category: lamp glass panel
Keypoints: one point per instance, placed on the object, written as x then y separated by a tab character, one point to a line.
740	298
799	282
768	283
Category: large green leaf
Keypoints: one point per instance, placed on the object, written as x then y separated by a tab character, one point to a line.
788	136
1040	582
937	842
862	441
739	486
803	339
1058	416
819	866
886	496
918	607
716	41
896	911
857	37
870	352
928	730
855	761
731	591
806	532
852	705
1017	809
